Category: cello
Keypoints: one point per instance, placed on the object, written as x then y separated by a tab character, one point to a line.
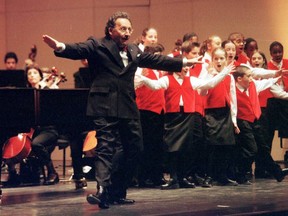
90	144
17	148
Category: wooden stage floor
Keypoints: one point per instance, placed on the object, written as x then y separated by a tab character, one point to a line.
264	197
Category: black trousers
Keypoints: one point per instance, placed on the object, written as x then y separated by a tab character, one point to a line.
43	143
220	165
193	155
251	141
266	123
76	145
151	160
76	135
117	153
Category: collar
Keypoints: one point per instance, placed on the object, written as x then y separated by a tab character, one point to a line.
141	47
241	88
278	65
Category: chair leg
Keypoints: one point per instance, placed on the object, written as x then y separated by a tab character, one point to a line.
64	163
43	173
0	192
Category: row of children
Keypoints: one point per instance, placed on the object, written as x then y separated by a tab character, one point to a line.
213	124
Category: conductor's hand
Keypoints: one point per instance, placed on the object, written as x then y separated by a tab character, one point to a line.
193	61
51	42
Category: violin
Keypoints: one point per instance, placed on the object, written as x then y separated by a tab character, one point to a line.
54	78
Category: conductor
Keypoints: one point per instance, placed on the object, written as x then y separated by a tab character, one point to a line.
111	102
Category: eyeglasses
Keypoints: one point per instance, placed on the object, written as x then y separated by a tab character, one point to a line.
125	29
239	41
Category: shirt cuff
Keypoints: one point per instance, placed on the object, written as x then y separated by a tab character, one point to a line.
184	60
61	47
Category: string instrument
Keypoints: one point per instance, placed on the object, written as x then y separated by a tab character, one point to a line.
54	78
90	144
17	148
31	56
33	53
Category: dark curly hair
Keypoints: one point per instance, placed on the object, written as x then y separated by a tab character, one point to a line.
33	66
11	55
275	43
111	21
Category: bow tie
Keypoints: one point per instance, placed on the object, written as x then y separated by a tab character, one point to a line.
123	49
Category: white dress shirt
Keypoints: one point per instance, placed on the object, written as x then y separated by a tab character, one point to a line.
278	91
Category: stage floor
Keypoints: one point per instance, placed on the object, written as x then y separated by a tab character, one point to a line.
264	197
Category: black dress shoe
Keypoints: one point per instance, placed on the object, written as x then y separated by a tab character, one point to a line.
122	201
53	178
247	182
100	198
227	182
249	175
134	183
196	179
185	183
207	183
146	184
159	182
262	175
244	181
171	184
80	183
281	175
13	178
285	171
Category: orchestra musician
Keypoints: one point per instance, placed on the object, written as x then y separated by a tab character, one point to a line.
10	61
78	135
79	81
43	137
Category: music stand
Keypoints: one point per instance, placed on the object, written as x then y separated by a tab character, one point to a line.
62	107
17	110
17	114
12	78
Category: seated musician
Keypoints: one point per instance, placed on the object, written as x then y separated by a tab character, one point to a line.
77	137
10	61
43	138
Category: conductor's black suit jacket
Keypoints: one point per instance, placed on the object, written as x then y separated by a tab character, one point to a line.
112	91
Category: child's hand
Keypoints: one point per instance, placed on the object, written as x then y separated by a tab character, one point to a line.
231	67
236	129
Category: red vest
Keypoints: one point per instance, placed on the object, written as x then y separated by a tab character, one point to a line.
148	99
285	82
236	63
176	53
199	103
271	66
173	93
248	107
242	59
266	94
196	70
219	96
